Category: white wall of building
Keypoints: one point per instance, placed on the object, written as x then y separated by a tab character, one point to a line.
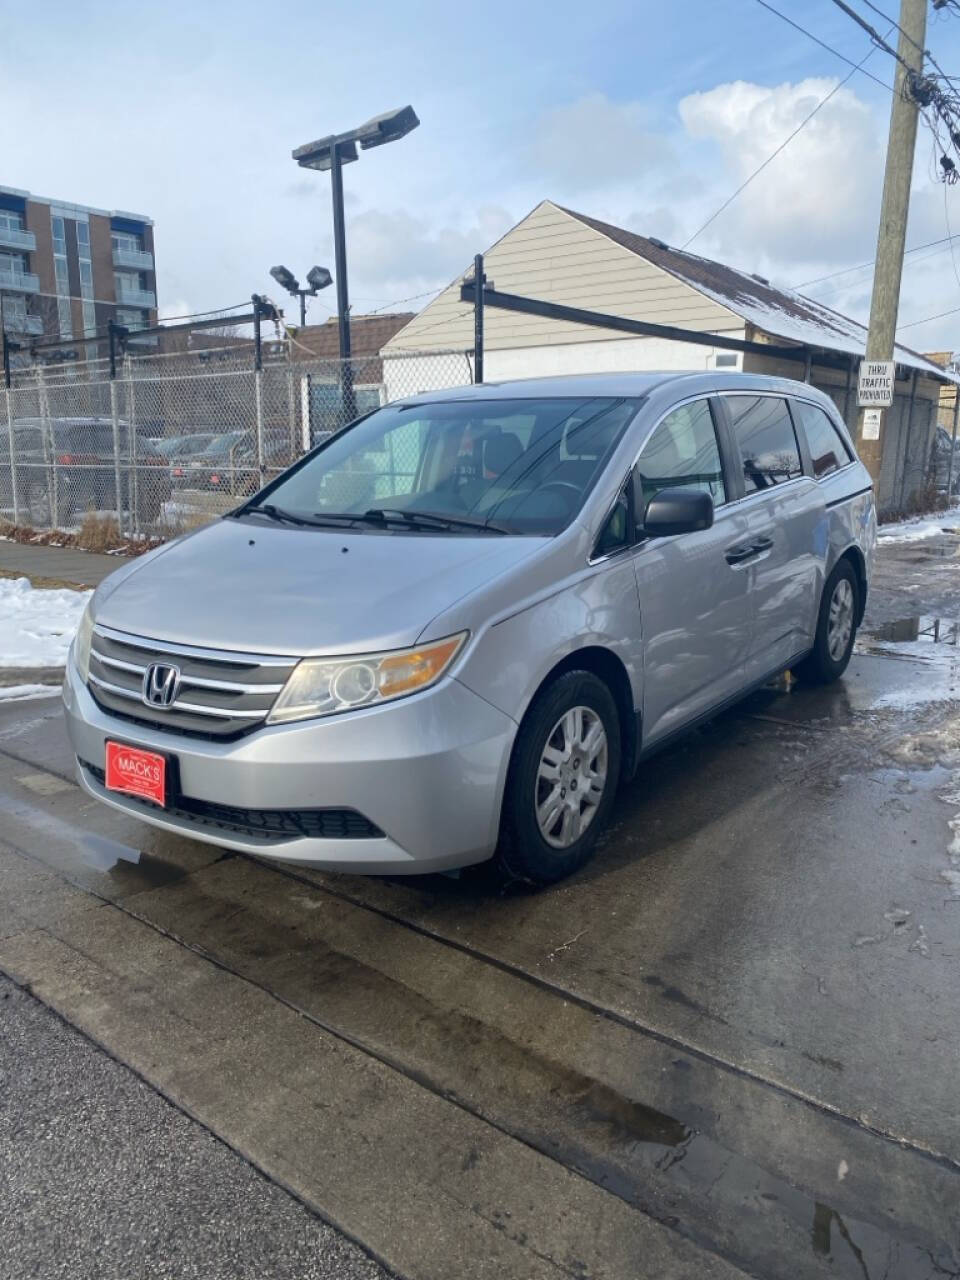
615	355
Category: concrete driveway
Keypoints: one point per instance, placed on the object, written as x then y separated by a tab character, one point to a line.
729	1046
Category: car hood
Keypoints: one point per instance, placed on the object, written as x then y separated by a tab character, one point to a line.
262	589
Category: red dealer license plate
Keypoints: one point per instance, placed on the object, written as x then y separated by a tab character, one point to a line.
137	772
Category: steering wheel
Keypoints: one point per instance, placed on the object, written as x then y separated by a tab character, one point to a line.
562	487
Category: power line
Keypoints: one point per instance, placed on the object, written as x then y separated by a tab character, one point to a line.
803	123
823	45
415	297
913	323
946	218
805	284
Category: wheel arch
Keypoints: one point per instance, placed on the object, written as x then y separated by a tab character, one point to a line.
608	667
859	564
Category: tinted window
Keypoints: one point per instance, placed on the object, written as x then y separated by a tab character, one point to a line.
683	453
768	444
827	449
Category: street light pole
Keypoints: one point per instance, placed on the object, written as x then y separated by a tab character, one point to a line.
332	153
340	252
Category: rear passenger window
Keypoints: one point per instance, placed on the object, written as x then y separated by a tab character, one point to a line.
683	453
768	443
827	448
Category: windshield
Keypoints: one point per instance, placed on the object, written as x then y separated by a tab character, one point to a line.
524	466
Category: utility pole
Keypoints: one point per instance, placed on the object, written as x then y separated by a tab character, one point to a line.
888	271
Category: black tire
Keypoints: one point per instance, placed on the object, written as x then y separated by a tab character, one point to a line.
524	852
821	665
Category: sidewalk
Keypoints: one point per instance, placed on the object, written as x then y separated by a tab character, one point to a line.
64	565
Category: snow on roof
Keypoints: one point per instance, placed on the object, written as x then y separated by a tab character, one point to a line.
781	313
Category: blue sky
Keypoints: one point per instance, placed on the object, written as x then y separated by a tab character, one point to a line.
646	114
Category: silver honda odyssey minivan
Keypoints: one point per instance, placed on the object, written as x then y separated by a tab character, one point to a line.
451	631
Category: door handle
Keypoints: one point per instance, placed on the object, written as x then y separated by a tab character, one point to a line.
762	544
739	555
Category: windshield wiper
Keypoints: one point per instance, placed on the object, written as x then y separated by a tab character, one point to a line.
428	520
289	517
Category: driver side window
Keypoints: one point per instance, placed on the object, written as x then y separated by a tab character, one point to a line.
683	453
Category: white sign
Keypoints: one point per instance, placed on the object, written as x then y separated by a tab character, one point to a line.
875	387
871	424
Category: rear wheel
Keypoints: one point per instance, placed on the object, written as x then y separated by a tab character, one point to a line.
562	780
836	628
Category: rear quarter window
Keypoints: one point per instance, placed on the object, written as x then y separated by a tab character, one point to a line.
828	450
768	444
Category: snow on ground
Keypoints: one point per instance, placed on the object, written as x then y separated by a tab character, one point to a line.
919	527
15	692
36	628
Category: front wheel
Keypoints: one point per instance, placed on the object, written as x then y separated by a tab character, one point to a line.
562	780
836	628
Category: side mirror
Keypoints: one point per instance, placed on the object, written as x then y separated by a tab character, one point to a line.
677	511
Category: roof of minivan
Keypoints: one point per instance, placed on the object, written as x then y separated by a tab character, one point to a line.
614	384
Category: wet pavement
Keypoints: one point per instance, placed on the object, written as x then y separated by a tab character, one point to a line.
729	1046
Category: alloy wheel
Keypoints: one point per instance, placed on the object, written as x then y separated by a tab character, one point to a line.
571	777
840	620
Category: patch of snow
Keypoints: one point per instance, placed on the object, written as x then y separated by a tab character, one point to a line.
37	626
842	1170
920	943
17	692
798	319
917	528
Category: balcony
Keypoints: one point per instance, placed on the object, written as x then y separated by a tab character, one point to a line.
11	239
20	281
14	323
131	296
134	259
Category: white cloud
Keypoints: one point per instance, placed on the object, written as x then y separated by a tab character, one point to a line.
817	201
594	142
398	253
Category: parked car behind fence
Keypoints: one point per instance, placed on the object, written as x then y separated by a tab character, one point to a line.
64	467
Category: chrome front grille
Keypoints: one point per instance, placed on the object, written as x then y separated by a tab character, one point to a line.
221	693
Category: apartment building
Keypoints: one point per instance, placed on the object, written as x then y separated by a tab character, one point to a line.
66	270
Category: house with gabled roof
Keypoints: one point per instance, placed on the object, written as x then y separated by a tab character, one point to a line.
557	255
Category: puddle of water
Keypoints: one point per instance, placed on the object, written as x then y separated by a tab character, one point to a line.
918	627
104	854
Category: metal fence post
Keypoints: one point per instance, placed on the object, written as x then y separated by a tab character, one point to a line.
258	383
906	439
13	458
479	279
49	451
292	408
953	445
115	421
258	402
134	482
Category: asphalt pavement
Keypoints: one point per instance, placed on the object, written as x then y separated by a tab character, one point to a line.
728	1047
68	566
101	1177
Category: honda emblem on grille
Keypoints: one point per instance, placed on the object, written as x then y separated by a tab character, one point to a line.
161	684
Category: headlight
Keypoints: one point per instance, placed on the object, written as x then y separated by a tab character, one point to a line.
325	686
81	643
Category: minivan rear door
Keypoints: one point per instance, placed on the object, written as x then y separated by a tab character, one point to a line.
783	551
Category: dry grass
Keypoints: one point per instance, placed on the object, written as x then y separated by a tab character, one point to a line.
98	532
37	581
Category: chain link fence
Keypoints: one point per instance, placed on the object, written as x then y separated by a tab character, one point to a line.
172	441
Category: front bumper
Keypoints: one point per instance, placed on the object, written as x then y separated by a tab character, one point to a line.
428	770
